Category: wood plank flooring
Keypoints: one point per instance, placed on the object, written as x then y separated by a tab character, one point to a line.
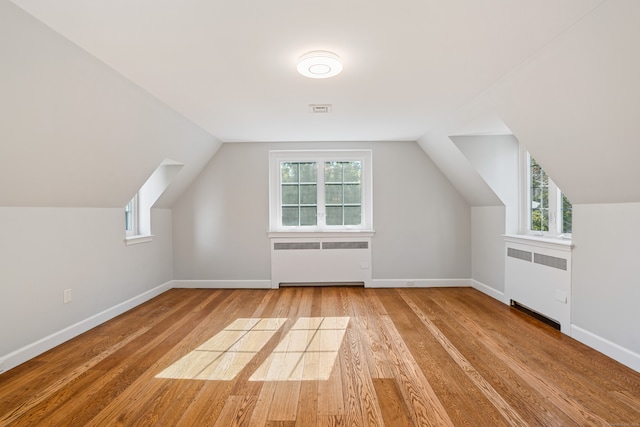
338	356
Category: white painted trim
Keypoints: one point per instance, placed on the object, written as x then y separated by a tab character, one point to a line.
222	284
365	156
488	290
540	241
604	346
321	234
32	350
420	283
138	238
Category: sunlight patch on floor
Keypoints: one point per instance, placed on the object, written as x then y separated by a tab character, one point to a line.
307	352
223	356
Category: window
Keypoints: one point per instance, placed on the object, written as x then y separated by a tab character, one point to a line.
137	213
131	217
320	190
548	210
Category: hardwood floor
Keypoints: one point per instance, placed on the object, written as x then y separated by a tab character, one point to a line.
402	357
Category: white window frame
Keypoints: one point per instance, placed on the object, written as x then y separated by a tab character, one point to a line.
144	200
133	234
555	203
277	157
133	230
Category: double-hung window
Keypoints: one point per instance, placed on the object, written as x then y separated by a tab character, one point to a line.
548	210
320	190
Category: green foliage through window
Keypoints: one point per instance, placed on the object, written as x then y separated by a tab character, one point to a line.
342	193
299	193
539	190
567	215
549	209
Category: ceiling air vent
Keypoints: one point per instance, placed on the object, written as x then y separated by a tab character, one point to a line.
320	108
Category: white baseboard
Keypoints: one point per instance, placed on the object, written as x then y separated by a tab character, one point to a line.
222	284
11	360
420	283
613	350
488	290
32	350
266	284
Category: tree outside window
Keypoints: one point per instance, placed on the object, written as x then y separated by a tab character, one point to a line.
549	210
320	190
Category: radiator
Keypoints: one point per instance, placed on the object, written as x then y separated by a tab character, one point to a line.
320	260
538	277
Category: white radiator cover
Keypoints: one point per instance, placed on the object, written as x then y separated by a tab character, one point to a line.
538	276
320	260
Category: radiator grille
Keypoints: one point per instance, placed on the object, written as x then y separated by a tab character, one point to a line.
345	245
550	261
296	245
517	253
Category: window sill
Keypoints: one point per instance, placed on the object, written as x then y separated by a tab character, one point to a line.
135	240
551	242
321	233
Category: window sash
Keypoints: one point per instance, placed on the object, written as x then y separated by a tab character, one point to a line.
342	208
547	210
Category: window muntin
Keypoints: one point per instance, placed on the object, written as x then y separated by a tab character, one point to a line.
320	190
548	210
343	192
299	194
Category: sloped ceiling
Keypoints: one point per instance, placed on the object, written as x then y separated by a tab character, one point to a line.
576	106
560	75
73	132
230	66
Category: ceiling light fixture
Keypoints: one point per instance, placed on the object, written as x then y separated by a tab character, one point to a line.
319	64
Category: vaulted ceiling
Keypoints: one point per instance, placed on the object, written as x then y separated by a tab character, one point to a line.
230	66
559	75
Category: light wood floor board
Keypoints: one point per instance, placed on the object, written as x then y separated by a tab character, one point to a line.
490	393
408	357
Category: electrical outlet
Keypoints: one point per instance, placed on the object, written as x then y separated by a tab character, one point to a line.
67	297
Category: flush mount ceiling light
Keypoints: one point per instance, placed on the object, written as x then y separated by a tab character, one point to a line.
319	64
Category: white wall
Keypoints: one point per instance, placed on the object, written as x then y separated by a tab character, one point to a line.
495	157
44	251
77	141
606	279
422	223
74	132
487	248
574	105
457	168
221	221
